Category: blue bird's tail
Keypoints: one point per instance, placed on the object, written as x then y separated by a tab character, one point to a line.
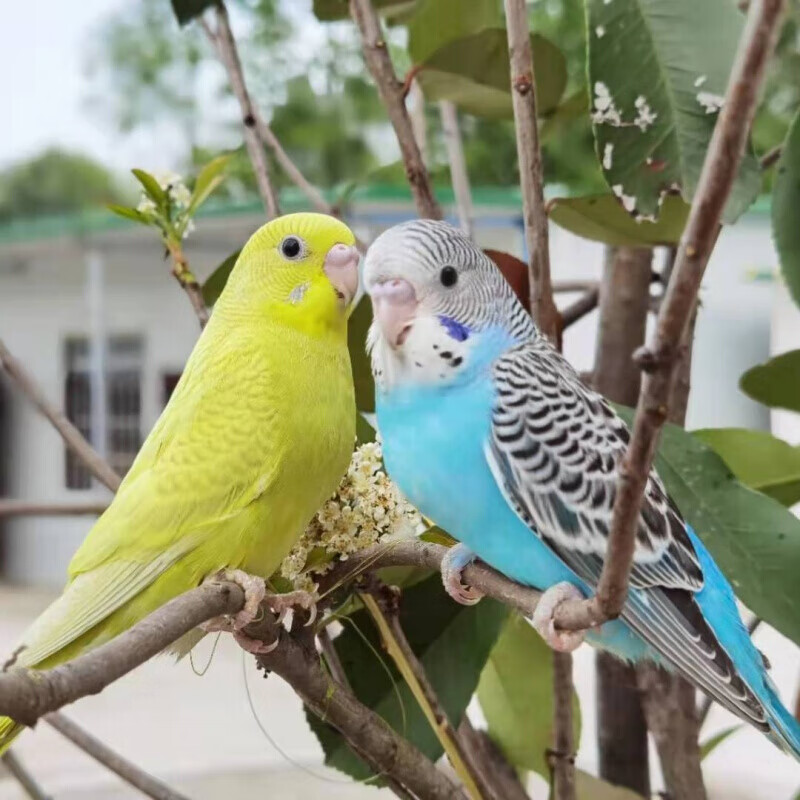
785	728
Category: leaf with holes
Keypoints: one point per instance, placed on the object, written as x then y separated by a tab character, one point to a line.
759	460
656	84
516	695
215	283
602	219
753	538
453	643
776	383
357	328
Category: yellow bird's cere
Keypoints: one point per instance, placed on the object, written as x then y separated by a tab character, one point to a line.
254	440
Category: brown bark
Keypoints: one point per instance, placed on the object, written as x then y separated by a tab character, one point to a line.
624	299
562	756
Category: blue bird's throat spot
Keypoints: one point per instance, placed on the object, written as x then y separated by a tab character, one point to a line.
455	330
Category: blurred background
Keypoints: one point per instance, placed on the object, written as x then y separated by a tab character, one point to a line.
97	87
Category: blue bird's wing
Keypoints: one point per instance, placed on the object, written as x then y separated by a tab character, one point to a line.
553	449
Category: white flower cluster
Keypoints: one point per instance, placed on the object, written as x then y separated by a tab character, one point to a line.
366	508
178	192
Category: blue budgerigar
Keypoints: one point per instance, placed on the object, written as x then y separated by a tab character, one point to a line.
491	433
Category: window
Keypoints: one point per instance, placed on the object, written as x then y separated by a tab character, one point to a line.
123	406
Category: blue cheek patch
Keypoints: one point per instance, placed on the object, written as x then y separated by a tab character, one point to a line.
455	330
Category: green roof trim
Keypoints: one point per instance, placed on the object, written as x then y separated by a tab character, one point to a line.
100	220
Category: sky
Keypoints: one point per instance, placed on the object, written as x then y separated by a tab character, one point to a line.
43	46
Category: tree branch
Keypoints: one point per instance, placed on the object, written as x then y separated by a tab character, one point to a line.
130	773
580	308
390	89
382	604
562	757
188	282
458	165
20	773
660	361
26	695
225	45
24	508
523	93
72	437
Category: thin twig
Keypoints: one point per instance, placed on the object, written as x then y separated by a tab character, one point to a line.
523	92
458	164
562	757
771	157
130	773
379	63
382	605
225	46
580	308
188	282
72	437
574	286
26	695
25	508
20	772
660	361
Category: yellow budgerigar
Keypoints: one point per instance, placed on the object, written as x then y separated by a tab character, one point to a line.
256	436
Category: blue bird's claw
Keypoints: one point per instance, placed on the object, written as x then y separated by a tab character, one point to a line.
544	618
453	564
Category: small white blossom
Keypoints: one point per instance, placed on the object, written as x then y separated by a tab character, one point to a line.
167	178
146	205
710	102
180	194
366	508
600	31
700	81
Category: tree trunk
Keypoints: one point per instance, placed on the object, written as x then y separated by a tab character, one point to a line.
624	302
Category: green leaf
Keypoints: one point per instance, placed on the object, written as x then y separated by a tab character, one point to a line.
659	55
753	538
453	643
186	10
708	746
590	788
601	218
775	383
759	460
151	187
786	210
473	72
332	10
207	181
129	213
357	327
516	695
215	283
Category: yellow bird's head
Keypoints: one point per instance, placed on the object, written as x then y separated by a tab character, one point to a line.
299	268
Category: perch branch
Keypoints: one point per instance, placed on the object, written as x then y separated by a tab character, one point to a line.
458	165
225	46
580	308
382	604
661	359
24	778
24	508
523	93
130	773
72	437
379	63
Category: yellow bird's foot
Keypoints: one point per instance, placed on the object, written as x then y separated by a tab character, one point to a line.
282	604
544	618
255	591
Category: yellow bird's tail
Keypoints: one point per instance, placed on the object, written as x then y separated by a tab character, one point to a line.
9	730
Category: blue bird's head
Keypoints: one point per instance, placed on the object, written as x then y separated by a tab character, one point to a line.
442	309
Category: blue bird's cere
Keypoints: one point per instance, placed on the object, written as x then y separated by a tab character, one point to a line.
490	432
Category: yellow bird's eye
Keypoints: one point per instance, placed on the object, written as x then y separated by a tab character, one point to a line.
292	248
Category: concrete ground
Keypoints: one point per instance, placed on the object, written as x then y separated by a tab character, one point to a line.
199	734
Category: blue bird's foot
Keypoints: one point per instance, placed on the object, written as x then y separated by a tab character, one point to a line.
544	618
453	564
